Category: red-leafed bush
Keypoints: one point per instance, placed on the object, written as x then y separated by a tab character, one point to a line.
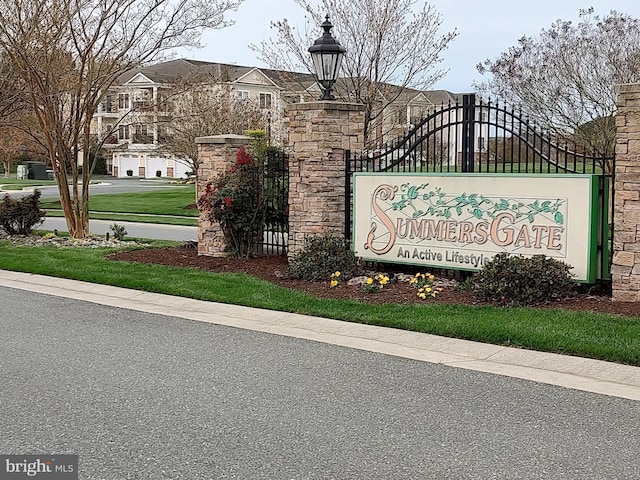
235	200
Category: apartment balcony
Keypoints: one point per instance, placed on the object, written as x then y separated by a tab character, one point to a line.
143	106
111	140
142	139
107	107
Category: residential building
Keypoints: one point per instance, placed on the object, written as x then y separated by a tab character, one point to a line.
134	118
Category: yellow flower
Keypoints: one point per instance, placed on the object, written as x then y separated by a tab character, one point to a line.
337	274
369	281
334	283
431	278
422	295
428	289
413	280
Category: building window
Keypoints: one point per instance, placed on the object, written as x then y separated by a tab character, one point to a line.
163	102
123	132
481	145
163	133
142	100
401	117
265	101
106	106
142	134
124	100
243	94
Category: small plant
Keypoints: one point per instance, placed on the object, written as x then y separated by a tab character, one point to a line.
424	283
323	256
512	280
375	284
336	280
119	232
19	217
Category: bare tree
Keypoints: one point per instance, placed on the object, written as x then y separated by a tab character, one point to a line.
14	142
66	53
10	148
202	108
389	44
565	77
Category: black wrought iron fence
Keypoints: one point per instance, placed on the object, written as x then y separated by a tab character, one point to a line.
475	136
276	210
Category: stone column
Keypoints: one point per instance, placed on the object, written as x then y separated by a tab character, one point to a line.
319	134
216	155
625	270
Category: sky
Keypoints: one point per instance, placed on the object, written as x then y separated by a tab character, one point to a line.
486	28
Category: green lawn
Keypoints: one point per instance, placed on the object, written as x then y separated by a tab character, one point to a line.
168	206
606	337
15	184
172	201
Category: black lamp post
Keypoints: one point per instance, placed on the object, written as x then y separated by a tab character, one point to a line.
326	54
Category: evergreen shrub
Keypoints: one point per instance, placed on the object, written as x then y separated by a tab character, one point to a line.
513	280
19	217
321	257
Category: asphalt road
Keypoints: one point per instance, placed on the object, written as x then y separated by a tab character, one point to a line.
143	396
134	229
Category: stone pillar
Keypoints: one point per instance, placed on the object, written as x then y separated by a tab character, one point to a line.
216	155
625	269
319	134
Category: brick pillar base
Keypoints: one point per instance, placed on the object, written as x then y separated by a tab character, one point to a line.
625	269
216	155
319	134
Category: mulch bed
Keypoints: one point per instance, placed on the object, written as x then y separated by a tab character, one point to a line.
274	270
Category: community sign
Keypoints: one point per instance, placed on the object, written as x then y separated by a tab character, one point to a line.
461	221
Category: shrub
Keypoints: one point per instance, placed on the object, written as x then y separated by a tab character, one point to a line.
119	232
517	281
321	257
19	217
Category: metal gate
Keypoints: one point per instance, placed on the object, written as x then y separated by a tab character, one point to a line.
485	137
276	196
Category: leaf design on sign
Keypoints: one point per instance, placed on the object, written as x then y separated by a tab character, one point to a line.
559	218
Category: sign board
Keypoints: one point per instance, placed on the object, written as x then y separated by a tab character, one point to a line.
461	221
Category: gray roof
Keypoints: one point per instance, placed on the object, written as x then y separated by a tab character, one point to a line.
172	70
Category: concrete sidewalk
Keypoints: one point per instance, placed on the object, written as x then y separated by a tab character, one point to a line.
571	372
